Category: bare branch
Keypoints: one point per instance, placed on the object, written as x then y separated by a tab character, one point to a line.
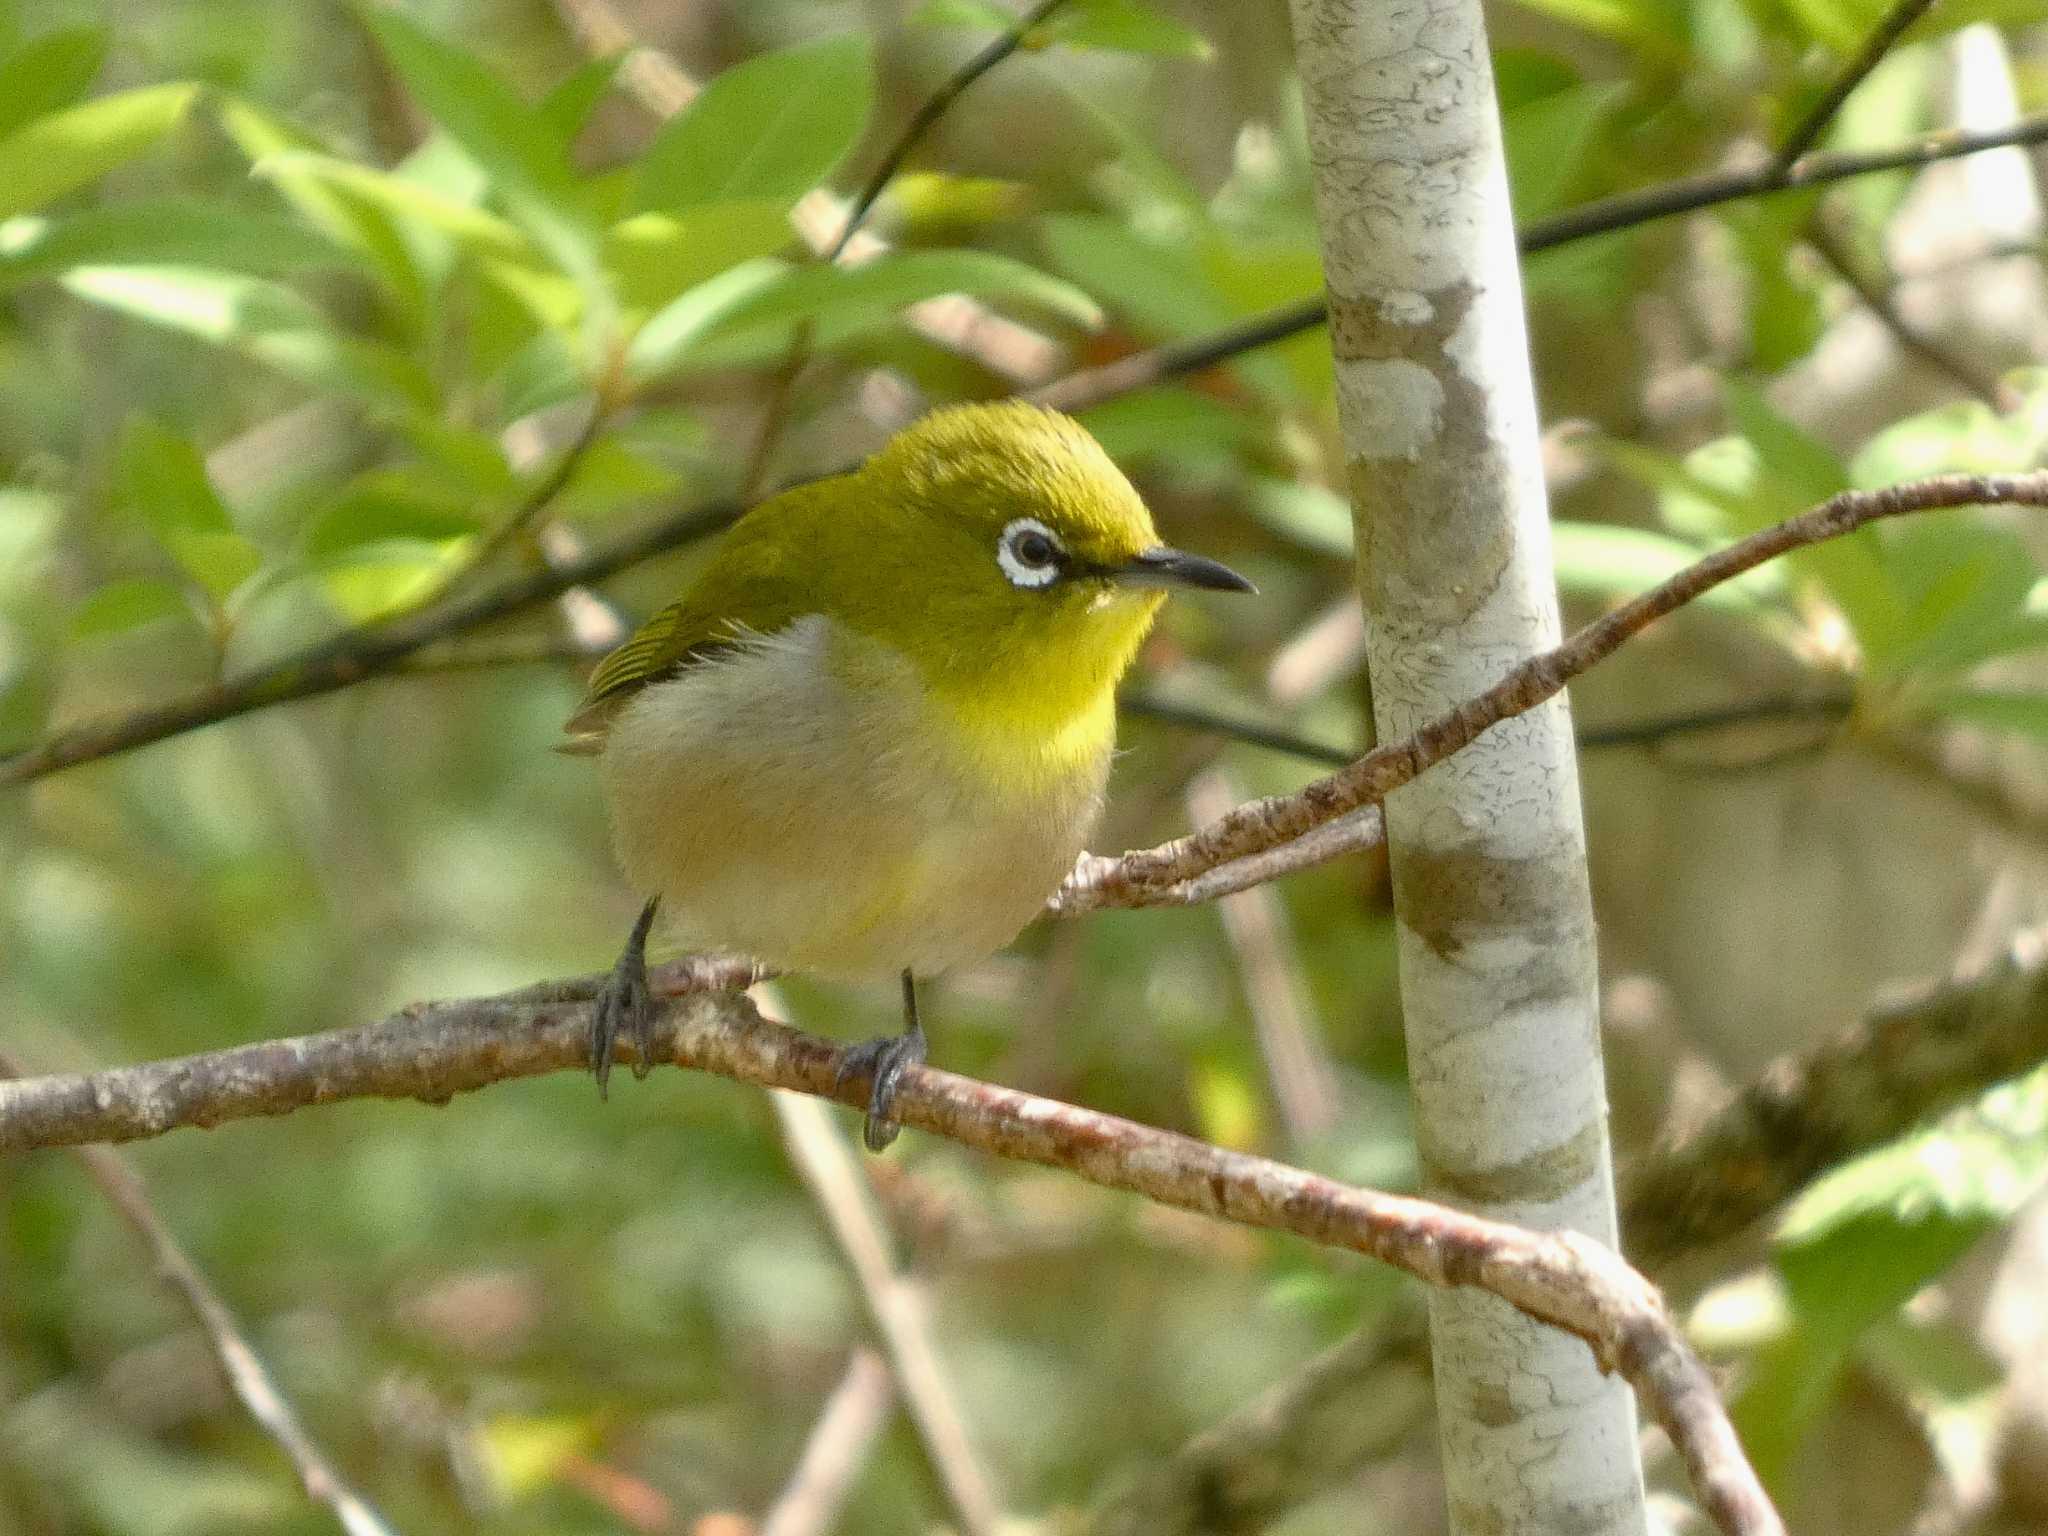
896	1303
1870	1084
1889	29
1263	825
431	1052
836	1451
1877	297
240	1366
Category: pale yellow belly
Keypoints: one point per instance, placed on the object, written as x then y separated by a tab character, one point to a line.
777	817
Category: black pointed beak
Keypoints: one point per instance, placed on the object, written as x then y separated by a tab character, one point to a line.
1164	567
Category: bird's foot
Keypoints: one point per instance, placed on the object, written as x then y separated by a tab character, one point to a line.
624	1006
882	1062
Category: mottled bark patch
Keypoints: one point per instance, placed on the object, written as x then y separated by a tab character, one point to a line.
1543	1176
1426	492
1451	897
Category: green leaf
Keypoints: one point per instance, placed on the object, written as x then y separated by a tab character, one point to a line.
1867	1237
1312	516
775	126
1551	143
163	477
219	561
526	164
843	301
1963	585
962	13
1797	471
345	218
2024	714
49	73
387	507
664	342
1122	26
129	604
1170	423
660	256
44	159
477	229
565	111
167	231
1602	560
260	319
378	579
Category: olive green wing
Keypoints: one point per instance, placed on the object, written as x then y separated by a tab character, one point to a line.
752	586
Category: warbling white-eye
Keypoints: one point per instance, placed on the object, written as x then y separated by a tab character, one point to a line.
874	732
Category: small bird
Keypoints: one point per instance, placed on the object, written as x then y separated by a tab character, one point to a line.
873	734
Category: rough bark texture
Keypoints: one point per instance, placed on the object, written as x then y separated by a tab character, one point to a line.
1495	915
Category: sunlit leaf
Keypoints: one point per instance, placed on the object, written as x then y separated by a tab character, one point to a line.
772	127
218	560
162	477
526	163
842	301
664	342
343	216
475	228
44	159
660	256
166	232
48	73
259	318
1603	560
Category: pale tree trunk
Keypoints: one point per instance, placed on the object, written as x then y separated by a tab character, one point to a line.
1498	982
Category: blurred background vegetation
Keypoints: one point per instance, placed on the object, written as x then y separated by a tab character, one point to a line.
298	303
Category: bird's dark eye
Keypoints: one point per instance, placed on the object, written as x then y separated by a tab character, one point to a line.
1034	548
1029	553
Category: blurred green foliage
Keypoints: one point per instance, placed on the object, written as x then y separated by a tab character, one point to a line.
298	304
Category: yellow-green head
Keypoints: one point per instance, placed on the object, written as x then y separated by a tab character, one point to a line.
1010	558
996	547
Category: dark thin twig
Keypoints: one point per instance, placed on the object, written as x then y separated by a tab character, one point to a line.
433	1051
239	1365
1878	299
935	106
1889	29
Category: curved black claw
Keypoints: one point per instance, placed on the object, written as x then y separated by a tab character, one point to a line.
882	1062
624	1005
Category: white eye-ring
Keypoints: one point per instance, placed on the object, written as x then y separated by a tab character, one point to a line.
1030	553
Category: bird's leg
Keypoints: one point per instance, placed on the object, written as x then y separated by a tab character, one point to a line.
882	1062
624	1004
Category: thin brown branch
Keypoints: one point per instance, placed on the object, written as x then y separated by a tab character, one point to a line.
1878	298
1263	825
896	1304
1298	1068
838	1448
239	1364
1142	370
431	1052
1883	37
1872	1083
